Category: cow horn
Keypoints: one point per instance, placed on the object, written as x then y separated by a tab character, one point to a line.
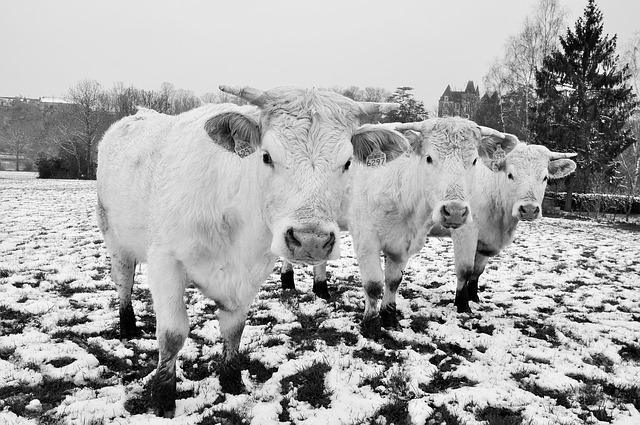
490	132
251	95
372	108
559	155
415	126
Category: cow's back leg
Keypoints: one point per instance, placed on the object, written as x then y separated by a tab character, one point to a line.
167	283
123	266
286	275
394	265
320	281
231	326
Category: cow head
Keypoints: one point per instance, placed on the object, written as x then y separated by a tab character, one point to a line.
301	149
526	170
449	149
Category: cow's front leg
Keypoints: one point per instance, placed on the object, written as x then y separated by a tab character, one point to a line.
286	275
320	281
478	269
394	265
231	327
372	276
167	283
465	240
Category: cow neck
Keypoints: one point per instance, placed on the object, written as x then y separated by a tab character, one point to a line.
495	202
413	204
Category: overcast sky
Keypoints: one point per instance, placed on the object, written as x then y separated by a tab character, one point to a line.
197	45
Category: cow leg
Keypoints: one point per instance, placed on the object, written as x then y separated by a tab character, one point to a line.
392	278
478	269
286	275
123	269
320	281
465	241
372	276
167	283
231	327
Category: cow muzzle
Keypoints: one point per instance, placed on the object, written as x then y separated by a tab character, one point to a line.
309	245
452	214
526	212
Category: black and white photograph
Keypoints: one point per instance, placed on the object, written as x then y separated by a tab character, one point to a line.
341	212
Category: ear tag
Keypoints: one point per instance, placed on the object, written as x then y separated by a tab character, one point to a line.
243	149
376	158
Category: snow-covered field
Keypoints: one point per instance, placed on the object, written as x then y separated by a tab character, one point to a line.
555	339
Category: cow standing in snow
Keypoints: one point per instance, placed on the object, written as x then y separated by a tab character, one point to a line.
499	200
391	208
216	194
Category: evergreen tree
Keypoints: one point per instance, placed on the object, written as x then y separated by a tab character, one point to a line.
584	101
410	110
489	111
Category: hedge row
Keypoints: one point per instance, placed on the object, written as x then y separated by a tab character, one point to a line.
600	202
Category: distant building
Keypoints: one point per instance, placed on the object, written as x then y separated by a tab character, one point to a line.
459	103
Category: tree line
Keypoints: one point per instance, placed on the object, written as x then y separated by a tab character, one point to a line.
570	88
62	140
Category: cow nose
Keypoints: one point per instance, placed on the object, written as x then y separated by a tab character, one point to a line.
529	211
309	244
454	215
291	240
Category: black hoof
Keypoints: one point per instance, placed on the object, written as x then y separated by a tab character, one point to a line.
128	328
462	301
321	290
472	290
231	378
389	317
163	396
371	328
287	280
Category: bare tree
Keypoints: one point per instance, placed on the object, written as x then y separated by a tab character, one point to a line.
18	143
524	52
87	121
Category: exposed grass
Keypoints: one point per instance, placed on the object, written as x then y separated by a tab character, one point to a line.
395	411
309	384
499	416
440	383
539	330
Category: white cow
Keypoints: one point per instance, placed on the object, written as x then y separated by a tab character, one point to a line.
499	201
216	194
392	208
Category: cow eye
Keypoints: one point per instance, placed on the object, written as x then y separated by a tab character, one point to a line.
474	162
347	165
429	159
510	176
545	179
266	158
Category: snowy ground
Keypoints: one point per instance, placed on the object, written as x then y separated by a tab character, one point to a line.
555	339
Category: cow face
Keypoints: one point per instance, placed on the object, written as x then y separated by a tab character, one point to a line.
302	150
527	169
449	149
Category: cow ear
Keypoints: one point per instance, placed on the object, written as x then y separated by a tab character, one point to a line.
376	145
234	132
494	146
415	140
560	168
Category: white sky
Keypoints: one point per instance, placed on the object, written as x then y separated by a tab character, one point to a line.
47	46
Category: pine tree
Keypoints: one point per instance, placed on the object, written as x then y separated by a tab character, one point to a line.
489	112
410	110
584	101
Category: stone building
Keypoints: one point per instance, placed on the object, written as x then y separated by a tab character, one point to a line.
459	103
